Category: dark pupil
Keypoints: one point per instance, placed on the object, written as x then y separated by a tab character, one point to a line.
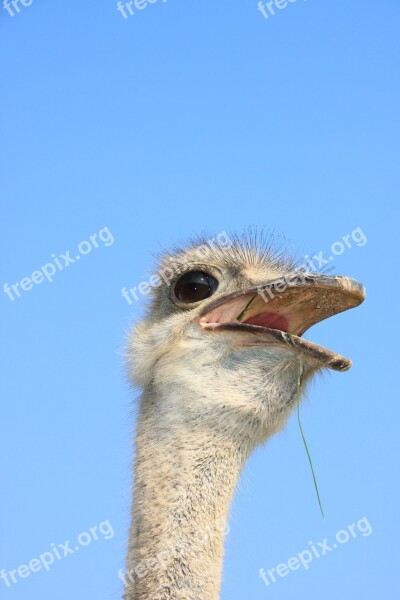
195	286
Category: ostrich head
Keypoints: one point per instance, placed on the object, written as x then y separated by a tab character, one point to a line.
227	326
222	361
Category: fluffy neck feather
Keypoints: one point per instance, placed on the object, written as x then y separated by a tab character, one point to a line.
185	478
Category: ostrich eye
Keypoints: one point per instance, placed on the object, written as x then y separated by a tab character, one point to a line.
195	286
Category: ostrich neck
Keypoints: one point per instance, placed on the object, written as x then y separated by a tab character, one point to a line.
186	471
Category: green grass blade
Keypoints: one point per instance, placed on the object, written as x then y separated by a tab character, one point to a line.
305	443
241	315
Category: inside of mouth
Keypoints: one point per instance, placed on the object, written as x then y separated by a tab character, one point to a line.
252	309
271	320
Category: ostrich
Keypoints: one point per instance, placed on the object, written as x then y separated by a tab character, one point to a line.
221	361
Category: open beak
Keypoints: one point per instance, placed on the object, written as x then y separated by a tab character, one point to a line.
280	312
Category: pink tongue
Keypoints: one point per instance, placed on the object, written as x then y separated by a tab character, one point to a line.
272	320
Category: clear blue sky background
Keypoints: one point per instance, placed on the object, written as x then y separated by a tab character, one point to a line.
192	116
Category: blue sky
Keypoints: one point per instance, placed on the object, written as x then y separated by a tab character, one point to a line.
182	118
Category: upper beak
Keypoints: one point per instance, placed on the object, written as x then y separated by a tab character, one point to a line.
280	311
